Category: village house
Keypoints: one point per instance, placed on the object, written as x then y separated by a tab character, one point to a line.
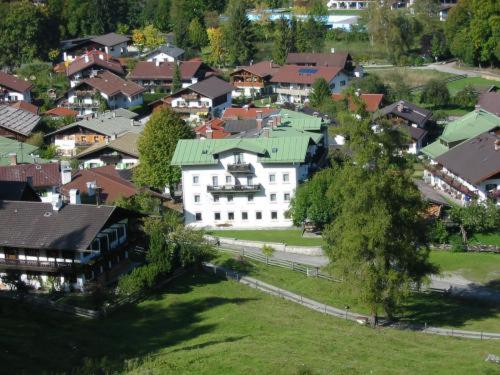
13	89
342	60
59	113
25	106
204	99
115	45
87	96
212	129
17	123
247	113
247	181
293	83
120	152
73	243
372	102
89	64
253	80
158	76
164	53
87	132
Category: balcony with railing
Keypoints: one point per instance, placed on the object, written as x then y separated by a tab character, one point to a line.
34	265
234	188
240	168
437	171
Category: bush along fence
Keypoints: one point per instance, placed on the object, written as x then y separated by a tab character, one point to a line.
88	313
294	266
336	312
472	248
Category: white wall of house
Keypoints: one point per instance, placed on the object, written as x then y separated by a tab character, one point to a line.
117	50
203	104
123	164
15	96
248	92
160	57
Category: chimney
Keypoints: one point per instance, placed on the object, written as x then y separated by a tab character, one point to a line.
57	202
74	196
209	132
132	122
101	56
157	62
13	158
497	145
113	136
65	174
332	50
259	119
265	132
277	120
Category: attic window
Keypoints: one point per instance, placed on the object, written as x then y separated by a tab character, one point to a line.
275	150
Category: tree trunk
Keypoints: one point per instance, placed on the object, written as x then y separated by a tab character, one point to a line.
373	320
171	190
464	234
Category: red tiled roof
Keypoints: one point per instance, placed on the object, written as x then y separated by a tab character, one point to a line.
246	113
42	175
25	106
164	70
261	69
94	58
218	131
372	101
14	83
60	112
304	74
111	84
107	178
337	59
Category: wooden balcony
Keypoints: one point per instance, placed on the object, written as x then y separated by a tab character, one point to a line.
294	92
193	110
248	84
34	265
234	188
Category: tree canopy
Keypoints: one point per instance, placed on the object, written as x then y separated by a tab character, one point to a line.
238	34
320	92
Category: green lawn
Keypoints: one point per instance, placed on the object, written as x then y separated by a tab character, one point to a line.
412	77
431	308
204	325
360	50
479	82
291	237
486	239
478	267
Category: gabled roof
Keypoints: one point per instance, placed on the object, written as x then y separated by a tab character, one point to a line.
262	69
270	150
372	101
110	39
407	111
92	58
14	83
165	70
337	59
126	143
304	74
18	120
246	113
167	49
211	87
25	106
111	84
36	225
474	160
415	133
41	175
490	101
217	127
60	112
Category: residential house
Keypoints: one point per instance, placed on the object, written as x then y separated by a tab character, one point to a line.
372	102
246	181
490	101
45	179
164	53
25	106
470	170
60	112
253	80
13	152
13	89
115	45
204	99
73	243
212	129
86	97
158	75
409	118
89	64
293	83
342	60
17	123
101	129
120	153
246	113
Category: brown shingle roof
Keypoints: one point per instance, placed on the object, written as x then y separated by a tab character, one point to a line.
165	70
337	59
246	113
262	69
92	58
305	75
490	101
127	143
211	87
111	84
21	104
61	112
41	175
111	39
13	83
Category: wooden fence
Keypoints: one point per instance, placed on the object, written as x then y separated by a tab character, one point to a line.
450	79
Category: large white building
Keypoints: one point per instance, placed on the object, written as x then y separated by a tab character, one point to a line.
247	182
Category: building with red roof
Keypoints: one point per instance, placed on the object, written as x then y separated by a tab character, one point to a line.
246	113
213	129
253	79
25	106
372	102
293	83
59	112
13	89
87	65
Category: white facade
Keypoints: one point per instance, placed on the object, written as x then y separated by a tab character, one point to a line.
160	57
10	96
125	163
87	104
262	202
202	106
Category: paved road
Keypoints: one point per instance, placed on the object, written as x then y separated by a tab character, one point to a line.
455	283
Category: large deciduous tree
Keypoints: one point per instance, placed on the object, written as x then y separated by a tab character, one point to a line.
476	218
156	148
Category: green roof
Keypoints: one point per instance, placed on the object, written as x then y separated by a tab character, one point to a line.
24	151
300	120
283	131
461	130
271	150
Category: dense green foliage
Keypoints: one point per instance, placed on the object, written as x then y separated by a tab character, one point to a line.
239	34
476	218
177	79
320	92
435	92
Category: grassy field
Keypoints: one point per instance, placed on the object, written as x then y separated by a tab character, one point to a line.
412	77
429	308
479	82
291	237
360	50
203	325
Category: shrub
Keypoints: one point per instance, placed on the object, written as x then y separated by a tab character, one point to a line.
268	250
438	233
435	92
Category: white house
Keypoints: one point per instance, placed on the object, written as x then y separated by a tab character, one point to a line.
245	182
164	53
13	89
293	83
115	45
253	80
89	64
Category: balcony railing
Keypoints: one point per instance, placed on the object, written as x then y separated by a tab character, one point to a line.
239	168
33	265
288	91
437	171
234	188
186	109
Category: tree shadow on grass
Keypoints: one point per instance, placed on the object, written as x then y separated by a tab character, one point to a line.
238	264
437	310
493	284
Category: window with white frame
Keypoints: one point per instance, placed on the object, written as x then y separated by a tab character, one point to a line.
250	197
244	216
215	180
286	197
230	198
272	178
274	215
196	198
258	215
228	179
273	197
196	180
216	198
286	177
230	215
198	216
216	215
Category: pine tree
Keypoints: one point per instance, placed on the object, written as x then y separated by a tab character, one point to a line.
177	79
320	92
238	33
282	41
